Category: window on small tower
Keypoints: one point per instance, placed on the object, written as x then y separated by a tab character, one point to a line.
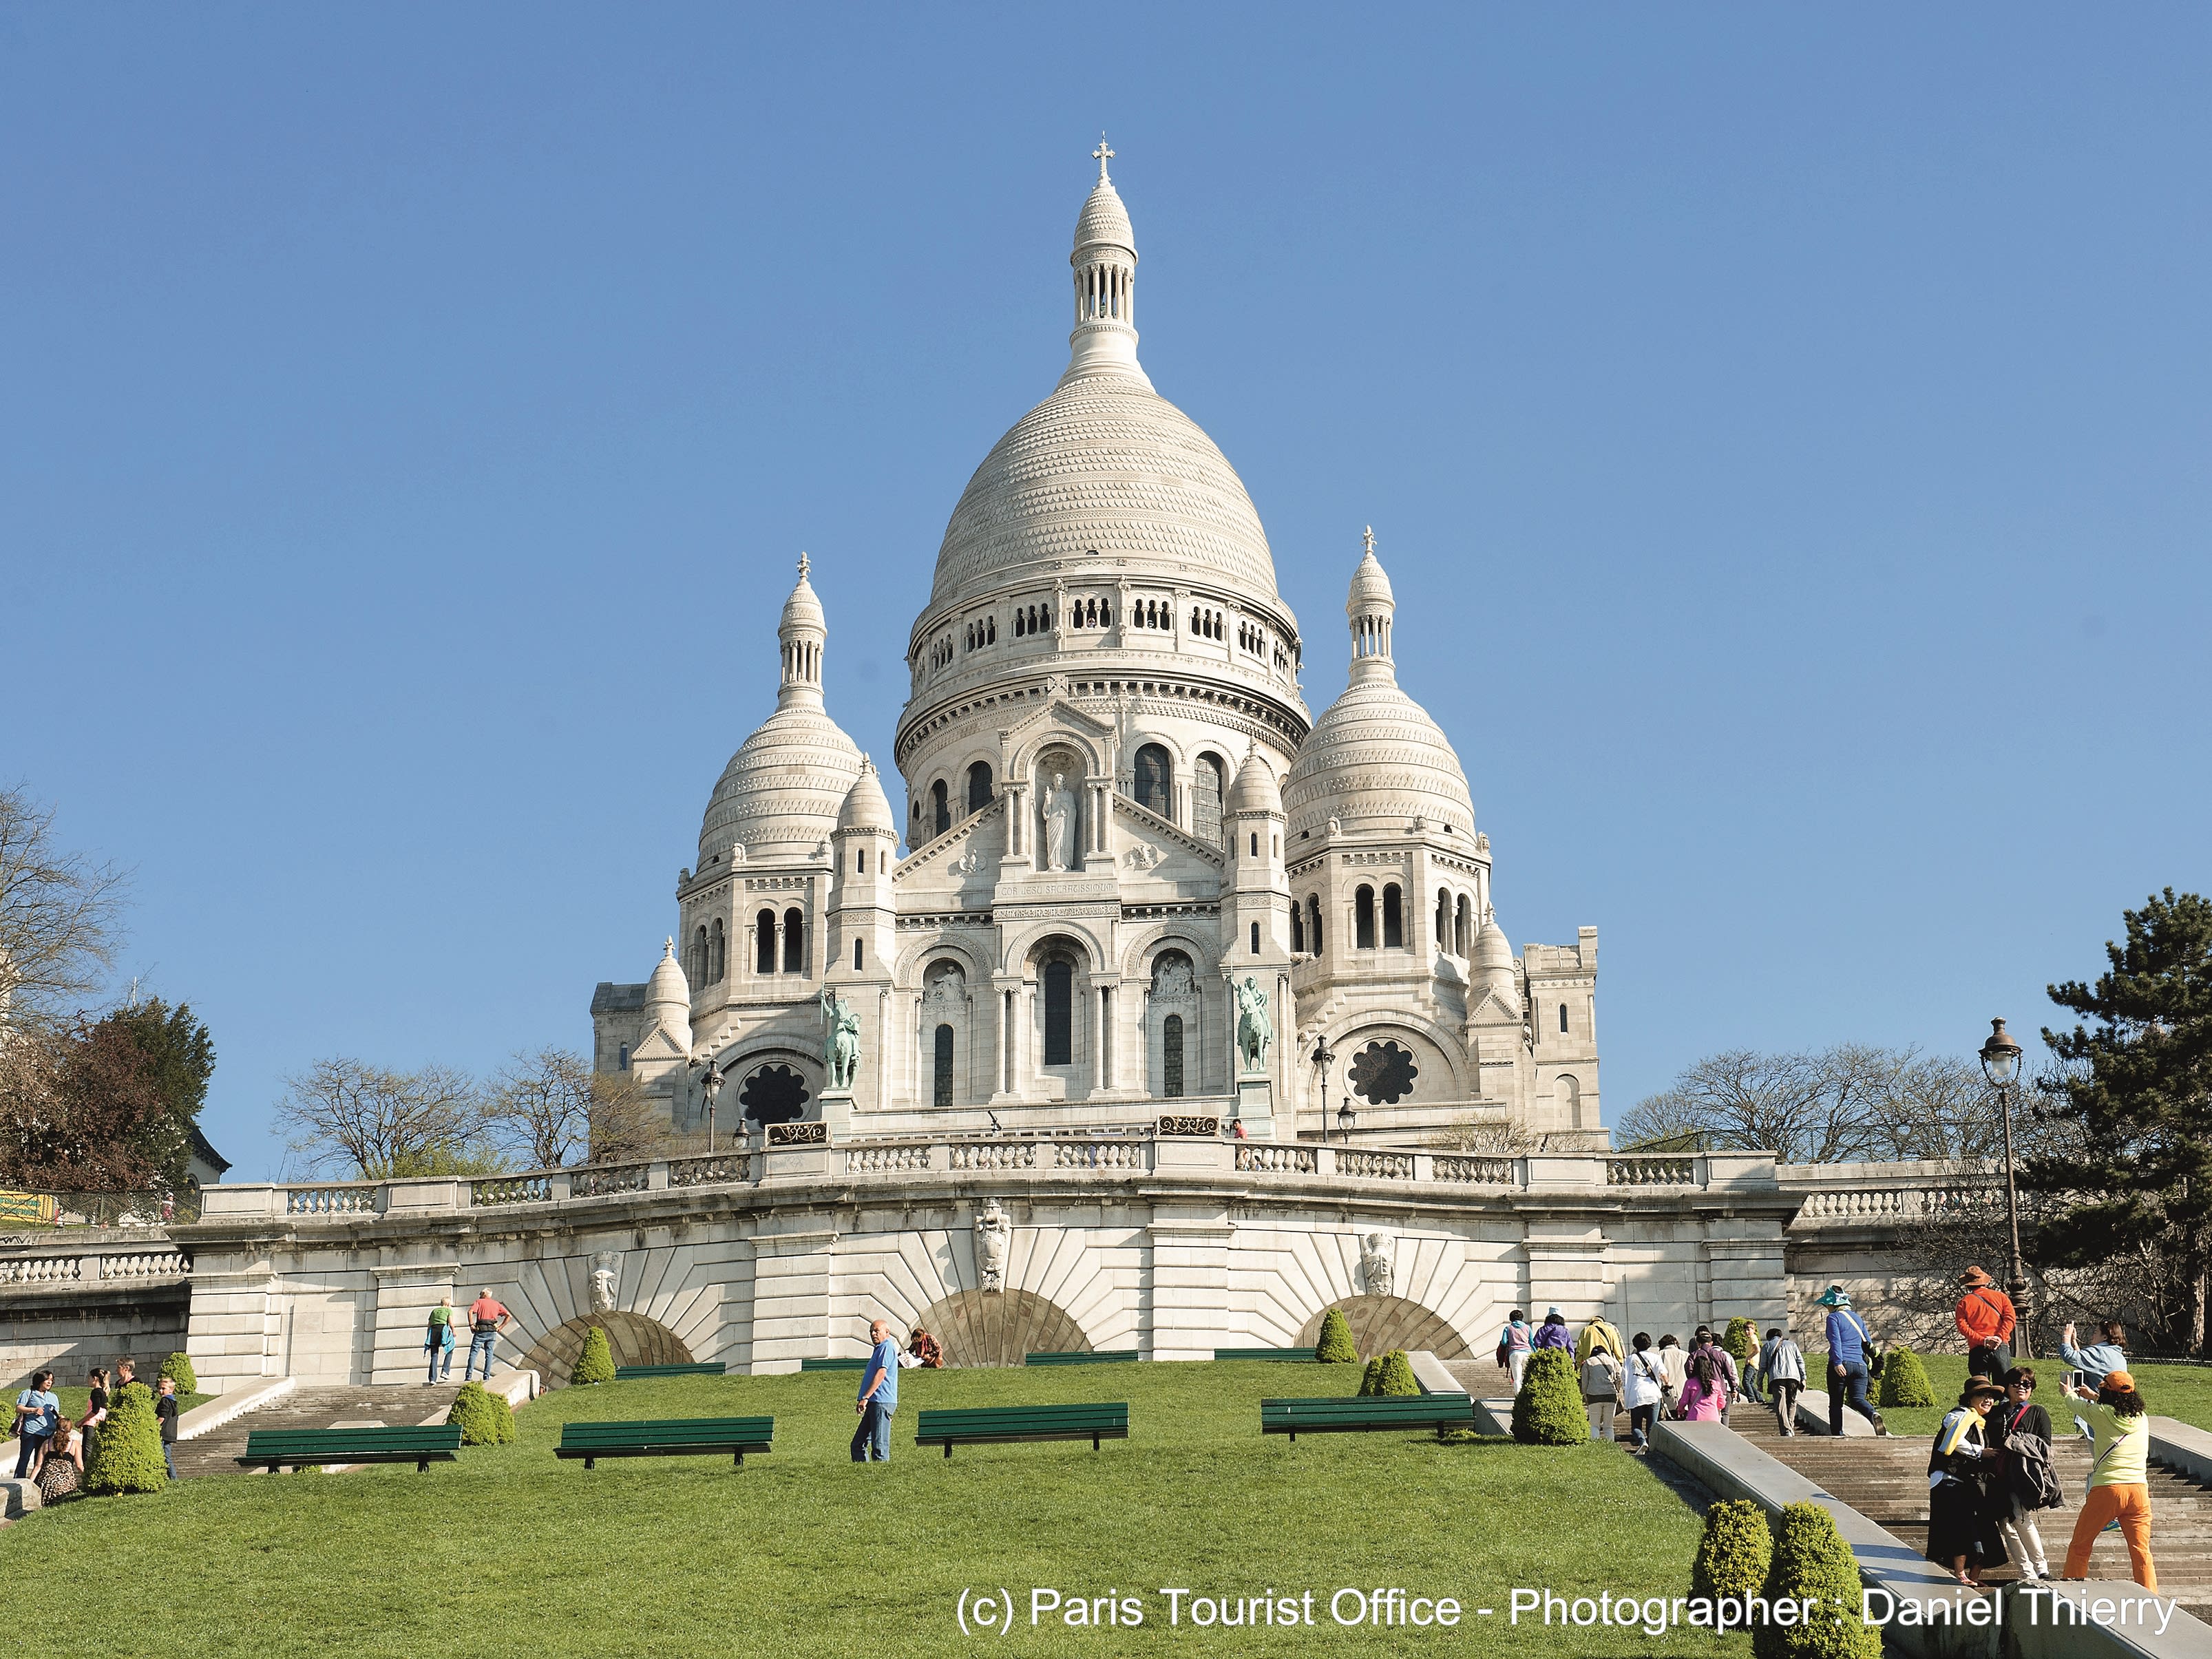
795	941
1394	917
1363	919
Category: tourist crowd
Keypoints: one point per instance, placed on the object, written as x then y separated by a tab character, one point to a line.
52	1451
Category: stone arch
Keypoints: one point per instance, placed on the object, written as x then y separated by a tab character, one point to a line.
1380	1323
998	1328
1137	958
1022	761
635	1339
1432	1042
917	957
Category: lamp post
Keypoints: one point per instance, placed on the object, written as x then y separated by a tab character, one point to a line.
2001	1065
1346	1117
1323	1058
712	1086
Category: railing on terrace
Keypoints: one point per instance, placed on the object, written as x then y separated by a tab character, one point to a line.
35	1268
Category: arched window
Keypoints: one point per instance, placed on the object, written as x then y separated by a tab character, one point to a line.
1208	789
795	941
1155	780
1563	1019
1443	921
1566	1094
941	1067
764	942
979	786
622	1058
1394	919
1363	919
1255	843
990	630
1464	926
1312	922
721	960
1172	1057
1021	618
1297	927
940	808
1256	938
1059	1014
856	953
701	961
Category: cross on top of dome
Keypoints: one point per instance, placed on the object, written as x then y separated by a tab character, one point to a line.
805	564
1369	537
1102	155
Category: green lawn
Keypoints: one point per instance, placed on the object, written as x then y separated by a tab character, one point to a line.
804	1553
2184	1392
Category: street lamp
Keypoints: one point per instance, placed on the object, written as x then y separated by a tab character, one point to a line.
1346	1117
712	1086
2001	1065
1323	1058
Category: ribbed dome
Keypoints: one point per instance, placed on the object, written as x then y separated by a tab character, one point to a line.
1377	761
1255	790
667	984
781	792
1104	219
803	608
865	806
1371	585
1104	470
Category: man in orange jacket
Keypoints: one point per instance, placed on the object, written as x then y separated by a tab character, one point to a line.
1984	1318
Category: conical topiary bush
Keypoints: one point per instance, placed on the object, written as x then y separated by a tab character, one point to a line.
127	1453
1394	1375
1548	1410
596	1363
1336	1346
1371	1380
177	1367
485	1418
1905	1379
1734	1552
1741	1342
1811	1562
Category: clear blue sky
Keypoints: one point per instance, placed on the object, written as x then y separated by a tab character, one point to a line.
1787	433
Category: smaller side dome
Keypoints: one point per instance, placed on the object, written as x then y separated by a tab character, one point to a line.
866	807
1493	957
668	999
1255	790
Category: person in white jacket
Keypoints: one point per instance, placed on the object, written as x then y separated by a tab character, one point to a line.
1782	1362
1642	1386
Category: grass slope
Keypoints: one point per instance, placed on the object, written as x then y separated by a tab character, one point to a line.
2177	1391
805	1552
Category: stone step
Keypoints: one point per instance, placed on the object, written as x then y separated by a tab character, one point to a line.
322	1408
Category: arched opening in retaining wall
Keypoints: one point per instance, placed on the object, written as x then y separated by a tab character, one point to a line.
1380	1323
635	1339
997	1328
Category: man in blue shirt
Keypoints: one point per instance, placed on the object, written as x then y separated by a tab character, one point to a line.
1848	1341
871	1441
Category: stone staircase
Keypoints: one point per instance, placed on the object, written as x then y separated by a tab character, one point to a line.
354	1404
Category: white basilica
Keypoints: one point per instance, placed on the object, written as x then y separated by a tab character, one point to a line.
1118	812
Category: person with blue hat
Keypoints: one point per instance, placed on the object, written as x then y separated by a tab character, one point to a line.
1848	1341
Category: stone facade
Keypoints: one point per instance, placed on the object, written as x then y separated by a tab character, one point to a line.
1117	809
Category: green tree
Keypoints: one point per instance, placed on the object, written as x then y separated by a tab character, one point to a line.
1811	1562
1548	1410
177	1367
1905	1379
1741	1341
127	1452
1371	1380
180	1060
1336	1346
596	1363
1394	1377
1733	1554
2137	1075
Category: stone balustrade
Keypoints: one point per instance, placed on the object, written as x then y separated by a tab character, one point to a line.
1883	1195
123	1262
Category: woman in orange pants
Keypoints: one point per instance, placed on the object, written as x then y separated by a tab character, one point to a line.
2120	1480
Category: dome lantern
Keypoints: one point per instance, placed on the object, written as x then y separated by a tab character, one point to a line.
1105	262
803	632
1369	607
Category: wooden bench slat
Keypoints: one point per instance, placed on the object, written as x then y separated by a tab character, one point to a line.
421	1444
673	1437
1290	1355
1356	1413
832	1364
1084	1356
1092	1420
699	1368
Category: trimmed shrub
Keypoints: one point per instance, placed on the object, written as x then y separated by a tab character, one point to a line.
126	1456
1548	1410
485	1418
1371	1380
596	1363
1395	1379
1336	1346
1733	1554
1904	1380
1742	1341
1812	1562
177	1367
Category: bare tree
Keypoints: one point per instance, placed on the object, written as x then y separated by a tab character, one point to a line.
539	1108
344	1114
59	914
1471	1134
626	1121
1854	1101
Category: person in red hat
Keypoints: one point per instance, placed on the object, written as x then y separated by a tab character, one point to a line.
1984	1318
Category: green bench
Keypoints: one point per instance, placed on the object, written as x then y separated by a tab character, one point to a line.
1337	1416
1291	1355
1084	1356
983	1426
681	1436
423	1445
833	1365
699	1368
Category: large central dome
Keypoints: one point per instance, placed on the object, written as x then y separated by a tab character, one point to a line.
1105	471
